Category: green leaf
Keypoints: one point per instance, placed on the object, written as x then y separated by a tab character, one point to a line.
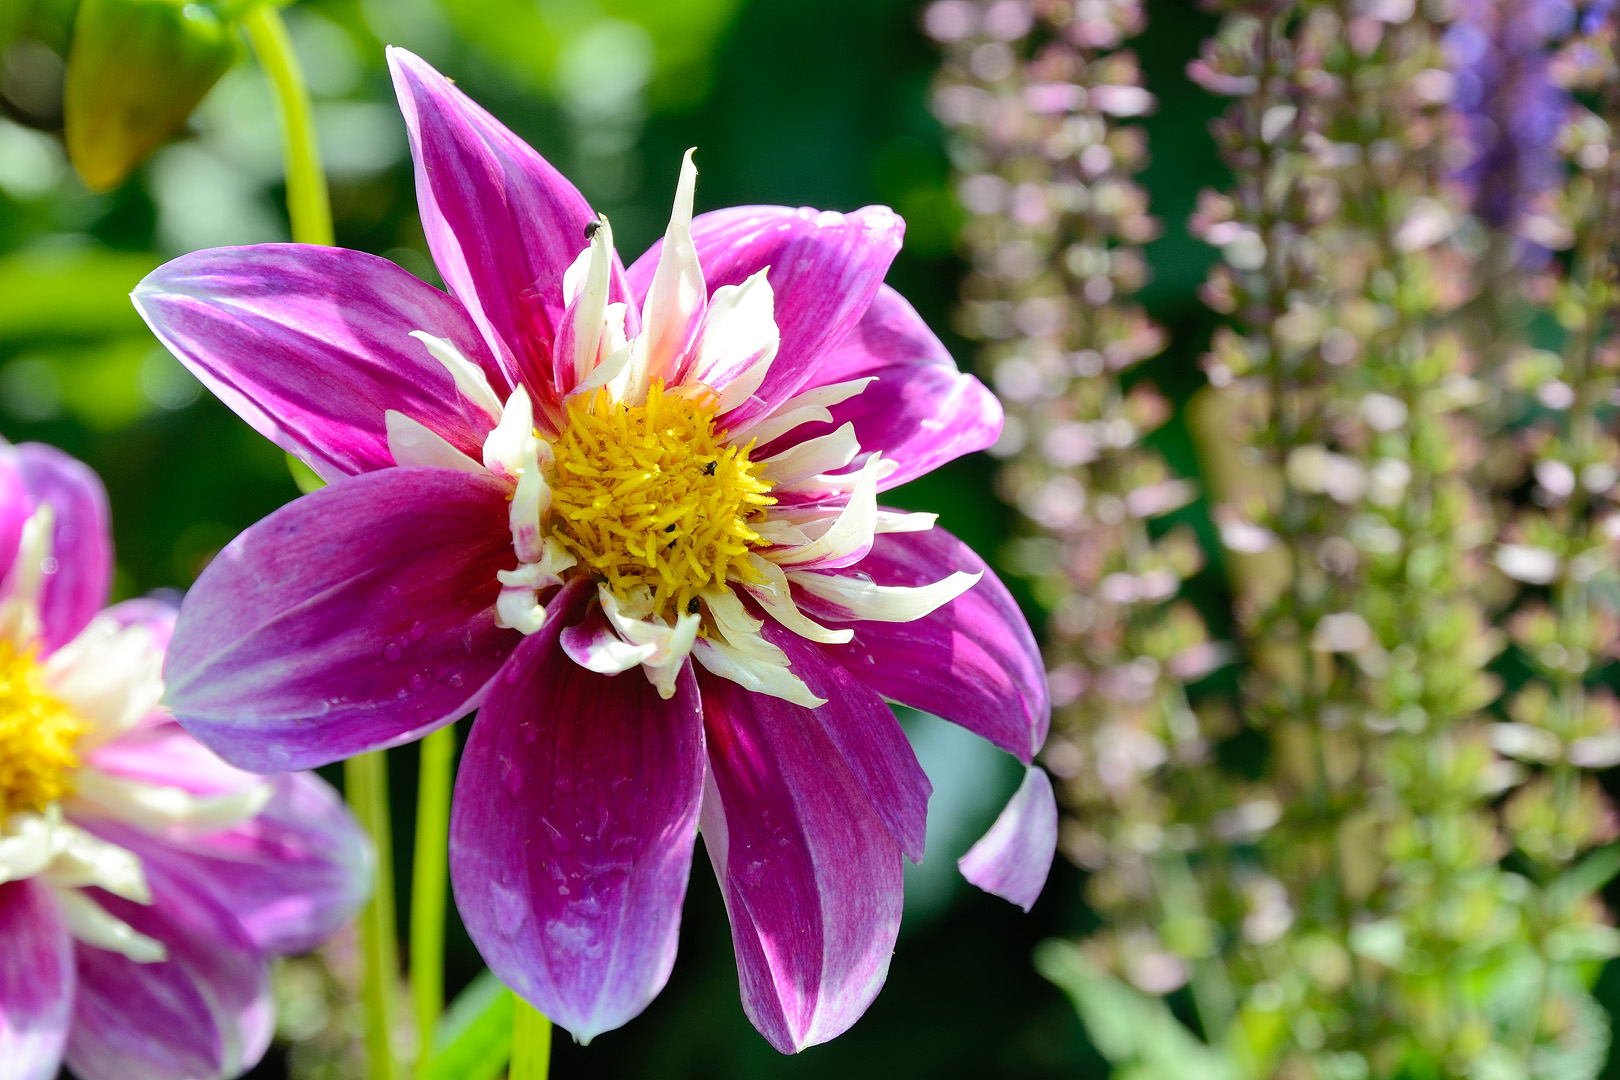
474	1039
71	294
304	476
1132	1030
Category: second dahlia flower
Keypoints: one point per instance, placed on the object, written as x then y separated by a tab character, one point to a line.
144	883
632	516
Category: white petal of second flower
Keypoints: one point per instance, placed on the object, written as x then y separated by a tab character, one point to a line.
160	806
84	860
111	676
90	923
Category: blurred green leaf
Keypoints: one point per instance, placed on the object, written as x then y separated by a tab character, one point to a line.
103	386
1129	1028
1586	877
304	476
529	40
70	294
474	1039
135	71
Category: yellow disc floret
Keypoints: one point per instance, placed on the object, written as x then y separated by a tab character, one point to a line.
651	495
37	735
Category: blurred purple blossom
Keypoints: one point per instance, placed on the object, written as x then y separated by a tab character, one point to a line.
1508	104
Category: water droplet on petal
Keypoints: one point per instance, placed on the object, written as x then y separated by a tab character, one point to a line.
392	651
511	776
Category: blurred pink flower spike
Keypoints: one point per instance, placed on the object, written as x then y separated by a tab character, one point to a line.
564	471
144	883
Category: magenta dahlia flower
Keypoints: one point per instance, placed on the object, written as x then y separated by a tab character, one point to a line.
632	517
144	883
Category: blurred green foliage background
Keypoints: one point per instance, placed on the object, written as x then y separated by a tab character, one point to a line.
816	102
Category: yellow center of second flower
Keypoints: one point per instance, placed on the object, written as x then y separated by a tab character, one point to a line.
37	736
650	495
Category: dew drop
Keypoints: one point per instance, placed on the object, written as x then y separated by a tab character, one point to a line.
511	776
418	680
392	651
417	630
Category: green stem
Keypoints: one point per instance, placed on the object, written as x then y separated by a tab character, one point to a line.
308	205
429	874
531	1043
365	779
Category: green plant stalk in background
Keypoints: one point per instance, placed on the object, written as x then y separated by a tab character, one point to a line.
308	205
531	1043
365	781
429	874
366	775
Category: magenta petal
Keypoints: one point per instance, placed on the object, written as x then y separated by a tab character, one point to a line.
973	662
1014	857
503	224
825	268
77	582
872	742
922	411
203	1013
162	753
312	346
810	874
358	617
291	876
36	982
15	506
571	834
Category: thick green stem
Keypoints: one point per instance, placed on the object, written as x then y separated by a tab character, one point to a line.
366	783
365	777
429	876
531	1044
308	205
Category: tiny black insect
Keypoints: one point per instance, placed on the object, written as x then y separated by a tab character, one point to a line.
670	527
708	470
590	229
692	606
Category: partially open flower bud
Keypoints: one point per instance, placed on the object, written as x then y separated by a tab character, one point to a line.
135	71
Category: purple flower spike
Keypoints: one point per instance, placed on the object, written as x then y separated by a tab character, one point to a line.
1510	108
633	515
145	885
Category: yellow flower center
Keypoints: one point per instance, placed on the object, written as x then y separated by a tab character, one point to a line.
37	733
650	495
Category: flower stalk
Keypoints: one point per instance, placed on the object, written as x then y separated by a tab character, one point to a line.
531	1043
365	782
430	878
308	205
365	776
